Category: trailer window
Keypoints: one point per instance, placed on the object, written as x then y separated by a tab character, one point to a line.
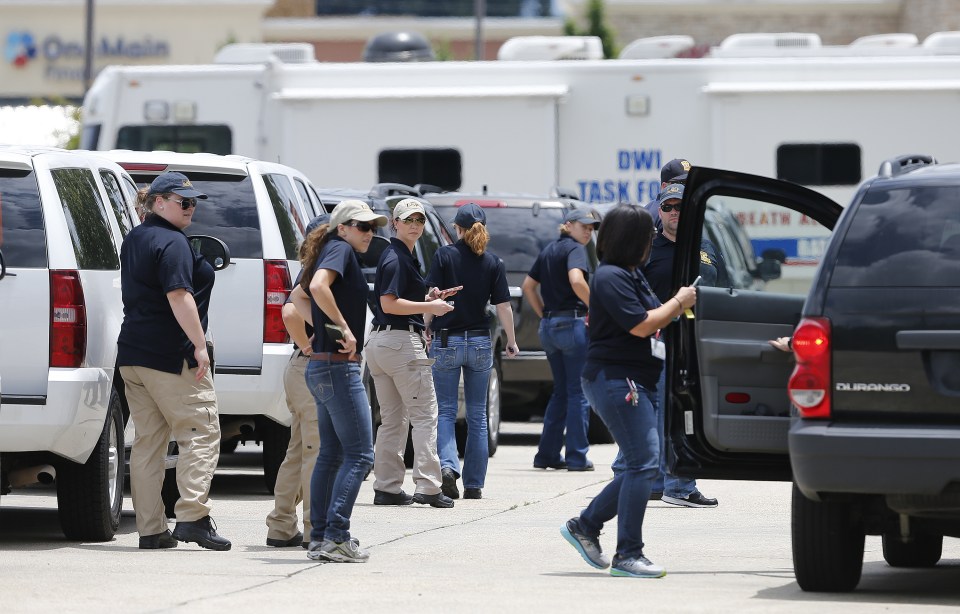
817	164
187	139
438	167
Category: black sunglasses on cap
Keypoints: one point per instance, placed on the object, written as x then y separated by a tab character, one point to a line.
362	226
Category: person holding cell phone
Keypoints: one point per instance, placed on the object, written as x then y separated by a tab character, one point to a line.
333	292
461	343
398	363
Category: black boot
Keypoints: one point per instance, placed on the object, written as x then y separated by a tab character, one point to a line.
202	532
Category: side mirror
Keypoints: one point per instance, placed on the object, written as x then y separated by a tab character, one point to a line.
774	253
768	270
213	250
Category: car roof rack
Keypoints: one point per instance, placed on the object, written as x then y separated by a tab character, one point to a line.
904	164
382	190
427	188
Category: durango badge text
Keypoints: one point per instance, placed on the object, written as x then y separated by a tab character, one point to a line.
860	387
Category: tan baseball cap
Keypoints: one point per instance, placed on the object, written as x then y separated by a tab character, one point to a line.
407	207
358	210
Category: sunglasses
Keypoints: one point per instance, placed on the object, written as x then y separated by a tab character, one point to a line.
669	208
362	226
415	220
185	203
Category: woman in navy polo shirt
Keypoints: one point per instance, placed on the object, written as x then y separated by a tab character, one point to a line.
620	376
561	272
162	355
461	342
332	298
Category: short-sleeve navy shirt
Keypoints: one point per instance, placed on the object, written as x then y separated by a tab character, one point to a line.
349	291
483	277
398	273
552	269
156	258
659	267
619	301
306	325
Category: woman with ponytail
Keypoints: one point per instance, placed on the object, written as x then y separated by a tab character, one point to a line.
461	343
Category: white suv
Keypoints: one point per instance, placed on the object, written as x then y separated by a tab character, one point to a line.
63	216
260	210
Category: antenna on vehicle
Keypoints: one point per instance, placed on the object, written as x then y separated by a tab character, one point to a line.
484	189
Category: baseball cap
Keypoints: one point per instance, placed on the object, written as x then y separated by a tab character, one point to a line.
358	210
316	222
407	207
584	216
468	215
672	170
172	182
674	191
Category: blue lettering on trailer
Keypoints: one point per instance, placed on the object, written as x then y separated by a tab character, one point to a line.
639	159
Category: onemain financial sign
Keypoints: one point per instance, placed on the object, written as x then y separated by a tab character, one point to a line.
63	58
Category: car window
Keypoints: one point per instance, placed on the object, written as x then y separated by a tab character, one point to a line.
902	237
737	268
117	201
428	244
87	223
309	197
22	236
228	213
287	211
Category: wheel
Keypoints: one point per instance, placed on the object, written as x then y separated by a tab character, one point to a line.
275	438
493	408
597	431
828	543
90	495
923	550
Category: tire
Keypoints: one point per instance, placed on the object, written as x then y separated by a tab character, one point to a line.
90	495
494	405
597	431
828	543
924	550
275	438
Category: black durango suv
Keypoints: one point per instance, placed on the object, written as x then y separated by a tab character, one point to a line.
864	415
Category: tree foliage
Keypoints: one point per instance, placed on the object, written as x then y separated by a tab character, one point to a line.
596	26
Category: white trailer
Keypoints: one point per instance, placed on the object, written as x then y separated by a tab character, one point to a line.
825	117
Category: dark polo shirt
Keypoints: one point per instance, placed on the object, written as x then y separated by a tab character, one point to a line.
349	291
659	267
156	258
398	273
483	277
552	268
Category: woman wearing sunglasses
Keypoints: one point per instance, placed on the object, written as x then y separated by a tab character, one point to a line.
397	358
331	297
163	359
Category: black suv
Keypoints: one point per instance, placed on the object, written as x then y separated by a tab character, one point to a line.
382	199
867	425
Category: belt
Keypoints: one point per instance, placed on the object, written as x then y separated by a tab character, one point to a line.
446	333
334	357
410	327
568	313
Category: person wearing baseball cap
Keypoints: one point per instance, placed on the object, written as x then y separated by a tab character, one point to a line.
398	363
557	290
673	172
163	358
332	297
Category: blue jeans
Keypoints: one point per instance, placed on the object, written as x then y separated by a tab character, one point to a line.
564	340
346	446
665	483
634	428
474	357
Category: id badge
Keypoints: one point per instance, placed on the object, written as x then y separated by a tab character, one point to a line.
658	348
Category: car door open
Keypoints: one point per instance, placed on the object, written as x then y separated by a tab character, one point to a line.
728	409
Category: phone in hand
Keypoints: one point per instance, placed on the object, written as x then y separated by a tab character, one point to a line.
444	293
334	332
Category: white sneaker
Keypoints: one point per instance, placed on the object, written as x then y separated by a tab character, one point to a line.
640	567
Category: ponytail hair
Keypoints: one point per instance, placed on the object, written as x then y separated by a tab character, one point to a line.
476	237
144	203
310	252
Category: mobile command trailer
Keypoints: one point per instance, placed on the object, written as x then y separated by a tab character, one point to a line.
773	105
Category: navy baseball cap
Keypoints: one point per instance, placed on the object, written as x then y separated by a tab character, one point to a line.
172	182
674	170
323	218
468	215
674	191
584	216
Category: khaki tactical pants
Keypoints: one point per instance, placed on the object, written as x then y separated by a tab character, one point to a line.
404	382
293	479
160	404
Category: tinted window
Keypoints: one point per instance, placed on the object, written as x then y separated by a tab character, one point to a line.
229	213
819	163
86	219
287	212
117	202
428	244
22	237
517	235
90	136
437	167
188	139
902	237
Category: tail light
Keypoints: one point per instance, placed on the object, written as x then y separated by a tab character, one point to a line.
809	385
278	287
68	320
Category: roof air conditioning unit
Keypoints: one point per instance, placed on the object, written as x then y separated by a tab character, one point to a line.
551	48
898	40
780	40
657	47
257	53
943	42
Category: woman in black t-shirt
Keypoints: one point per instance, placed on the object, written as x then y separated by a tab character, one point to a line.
624	359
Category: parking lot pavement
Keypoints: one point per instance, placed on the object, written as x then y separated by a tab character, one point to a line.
503	552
